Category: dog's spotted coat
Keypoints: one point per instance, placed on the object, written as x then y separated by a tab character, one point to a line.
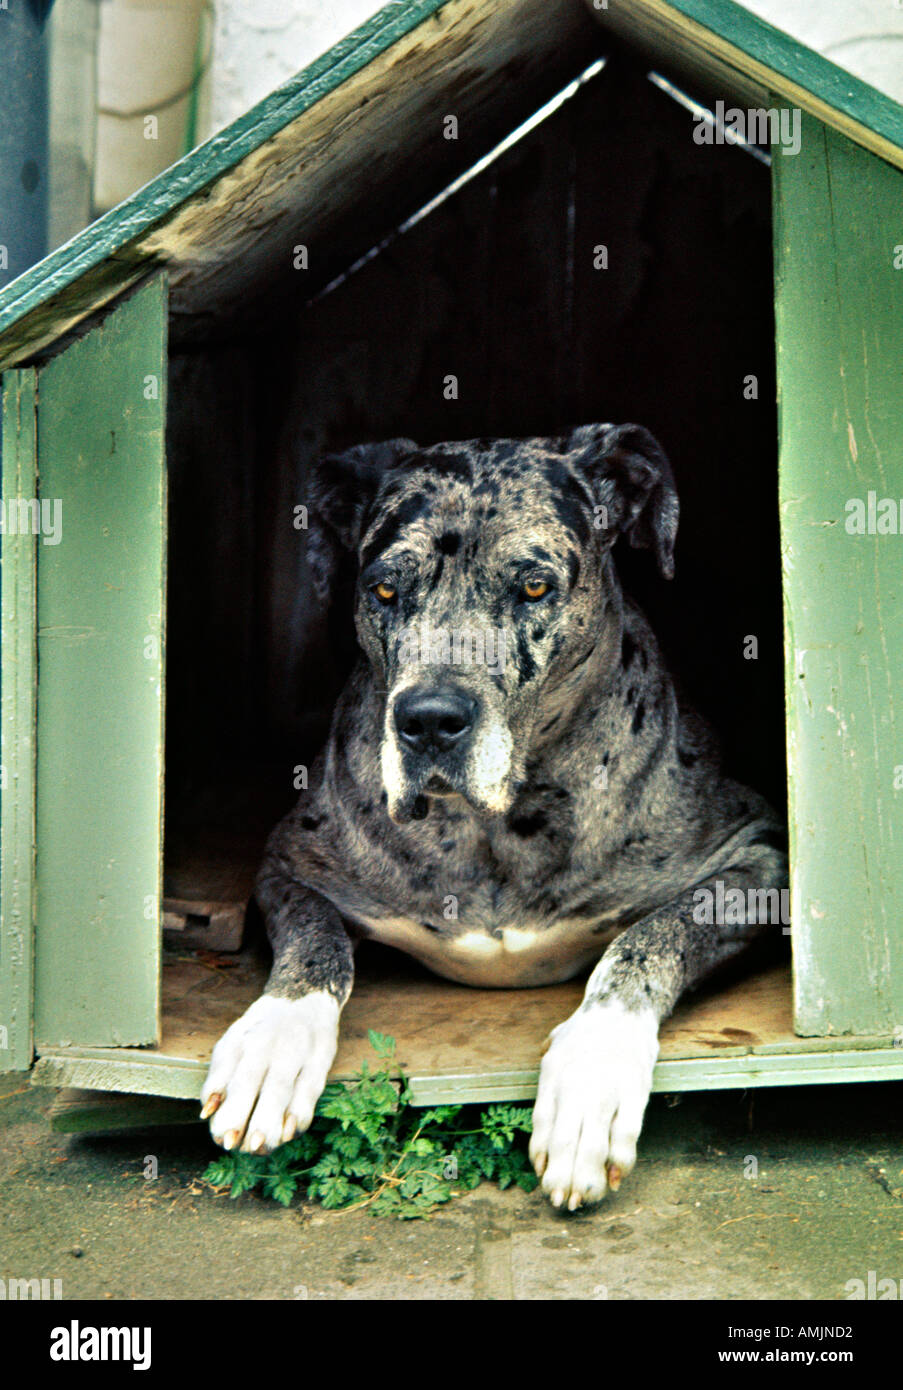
504	825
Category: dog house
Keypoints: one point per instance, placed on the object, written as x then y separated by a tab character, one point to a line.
465	219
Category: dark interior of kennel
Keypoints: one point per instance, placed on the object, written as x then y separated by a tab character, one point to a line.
497	286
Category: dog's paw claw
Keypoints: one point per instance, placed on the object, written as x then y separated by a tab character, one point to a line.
211	1105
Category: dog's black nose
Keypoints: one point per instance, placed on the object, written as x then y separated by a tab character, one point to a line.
434	721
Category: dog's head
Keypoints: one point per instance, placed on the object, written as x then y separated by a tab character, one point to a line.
485	590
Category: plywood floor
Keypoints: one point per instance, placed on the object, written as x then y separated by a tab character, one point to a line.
440	1027
457	1044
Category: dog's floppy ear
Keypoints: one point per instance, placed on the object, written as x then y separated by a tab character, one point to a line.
632	478
340	488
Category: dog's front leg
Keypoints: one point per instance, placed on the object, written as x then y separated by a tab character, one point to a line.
269	1068
596	1075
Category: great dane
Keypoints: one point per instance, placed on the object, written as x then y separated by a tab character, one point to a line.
512	785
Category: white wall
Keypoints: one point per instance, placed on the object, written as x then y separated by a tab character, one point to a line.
258	46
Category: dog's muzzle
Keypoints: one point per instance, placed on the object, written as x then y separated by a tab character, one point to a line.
441	740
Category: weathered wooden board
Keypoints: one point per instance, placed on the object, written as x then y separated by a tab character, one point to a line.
840	349
98	1112
332	160
456	1043
205	895
100	611
17	719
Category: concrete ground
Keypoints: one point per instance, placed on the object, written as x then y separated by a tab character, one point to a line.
825	1206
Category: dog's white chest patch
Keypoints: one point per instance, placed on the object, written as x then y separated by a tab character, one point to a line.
511	956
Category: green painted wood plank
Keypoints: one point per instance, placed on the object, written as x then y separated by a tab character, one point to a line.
100	607
840	371
17	720
154	1074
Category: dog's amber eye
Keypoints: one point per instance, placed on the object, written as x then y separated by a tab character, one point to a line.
535	588
385	592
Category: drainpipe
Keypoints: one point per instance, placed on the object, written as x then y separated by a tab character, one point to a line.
23	134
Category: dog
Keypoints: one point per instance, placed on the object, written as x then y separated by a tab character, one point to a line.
512	791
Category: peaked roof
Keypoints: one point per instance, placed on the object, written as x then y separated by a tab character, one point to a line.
348	148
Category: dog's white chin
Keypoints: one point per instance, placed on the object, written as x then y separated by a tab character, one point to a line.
486	780
411	805
497	804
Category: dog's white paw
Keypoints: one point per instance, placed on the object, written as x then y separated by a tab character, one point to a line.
268	1070
594	1083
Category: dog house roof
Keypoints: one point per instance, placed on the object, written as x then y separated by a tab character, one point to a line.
340	155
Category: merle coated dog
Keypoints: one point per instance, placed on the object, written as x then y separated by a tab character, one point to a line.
511	786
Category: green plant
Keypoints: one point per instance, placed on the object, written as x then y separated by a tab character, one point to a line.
368	1146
